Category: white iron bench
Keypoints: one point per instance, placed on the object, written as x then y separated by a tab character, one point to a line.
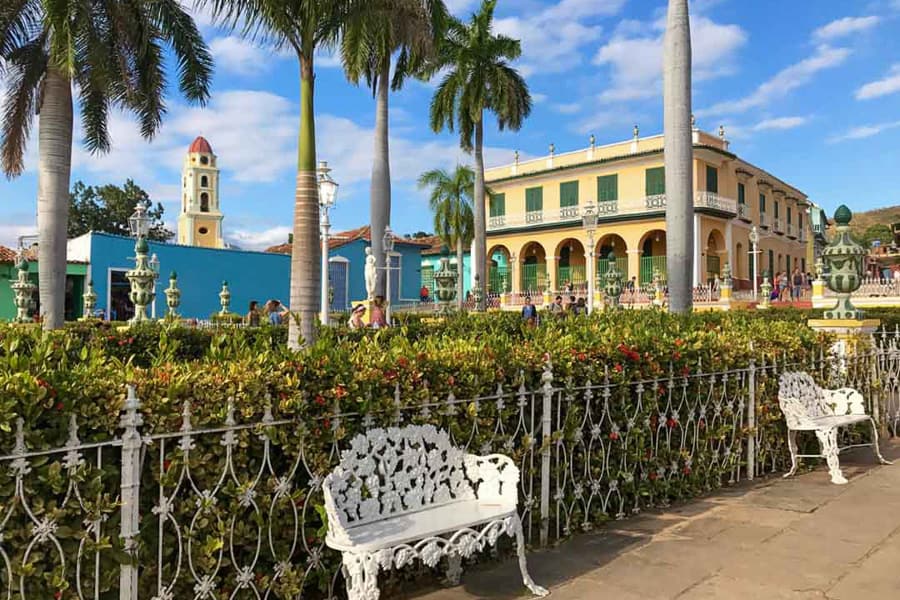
808	407
405	493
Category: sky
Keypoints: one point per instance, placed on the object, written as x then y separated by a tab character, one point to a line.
806	89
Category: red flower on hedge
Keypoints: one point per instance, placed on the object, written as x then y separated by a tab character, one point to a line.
59	406
451	380
671	423
686	470
390	374
701	424
320	400
618	368
582	356
340	391
402	362
676	355
652	476
679	342
685	371
166	464
613	435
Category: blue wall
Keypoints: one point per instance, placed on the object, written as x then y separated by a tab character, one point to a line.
251	275
435	261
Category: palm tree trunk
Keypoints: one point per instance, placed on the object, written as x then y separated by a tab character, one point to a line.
678	157
460	280
380	190
55	165
305	269
478	256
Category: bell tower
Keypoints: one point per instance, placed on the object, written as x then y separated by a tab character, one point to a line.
200	221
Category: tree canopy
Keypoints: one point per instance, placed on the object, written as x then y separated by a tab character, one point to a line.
106	208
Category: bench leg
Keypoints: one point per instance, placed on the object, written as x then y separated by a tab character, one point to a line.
875	447
792	446
523	565
828	443
454	569
361	576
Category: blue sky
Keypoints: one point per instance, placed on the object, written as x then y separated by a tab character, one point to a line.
809	90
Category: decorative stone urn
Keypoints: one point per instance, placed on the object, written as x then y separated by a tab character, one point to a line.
727	285
658	294
224	298
612	287
173	296
445	282
477	293
843	260
89	301
23	290
765	291
142	278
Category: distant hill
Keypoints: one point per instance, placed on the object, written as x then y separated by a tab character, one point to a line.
883	216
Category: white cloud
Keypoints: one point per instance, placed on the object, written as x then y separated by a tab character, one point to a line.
780	123
10	232
600	121
844	27
783	82
236	55
457	7
538	98
865	131
552	39
889	84
249	239
567	108
636	60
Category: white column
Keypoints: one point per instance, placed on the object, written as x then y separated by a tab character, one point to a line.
592	273
729	247
698	260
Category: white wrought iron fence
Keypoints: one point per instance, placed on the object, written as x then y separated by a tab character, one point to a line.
231	506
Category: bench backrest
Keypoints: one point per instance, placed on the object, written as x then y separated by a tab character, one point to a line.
387	472
800	399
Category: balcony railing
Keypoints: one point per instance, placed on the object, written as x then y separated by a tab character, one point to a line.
763	220
744	212
608	209
791	230
777	225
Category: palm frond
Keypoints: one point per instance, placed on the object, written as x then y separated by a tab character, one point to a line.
25	68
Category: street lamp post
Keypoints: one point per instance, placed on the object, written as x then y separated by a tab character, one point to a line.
327	195
754	252
153	263
388	244
589	221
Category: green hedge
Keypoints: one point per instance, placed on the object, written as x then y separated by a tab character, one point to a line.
46	379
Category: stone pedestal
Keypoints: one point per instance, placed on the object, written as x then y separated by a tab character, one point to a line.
548	298
852	334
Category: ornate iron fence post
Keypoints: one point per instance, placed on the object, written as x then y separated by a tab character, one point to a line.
751	420
130	493
546	441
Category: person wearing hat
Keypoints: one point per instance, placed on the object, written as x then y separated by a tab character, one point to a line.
356	317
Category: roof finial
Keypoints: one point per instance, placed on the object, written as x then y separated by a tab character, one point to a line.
722	131
637	131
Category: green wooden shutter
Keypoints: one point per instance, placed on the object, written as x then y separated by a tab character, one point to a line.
656	181
776	209
762	203
712	179
607	188
789	215
534	199
568	194
741	194
498	205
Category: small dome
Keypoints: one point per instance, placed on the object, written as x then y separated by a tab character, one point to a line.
843	215
200	145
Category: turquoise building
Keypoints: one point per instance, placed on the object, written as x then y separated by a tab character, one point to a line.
251	275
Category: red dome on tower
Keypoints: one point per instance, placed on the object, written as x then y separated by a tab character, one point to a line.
200	145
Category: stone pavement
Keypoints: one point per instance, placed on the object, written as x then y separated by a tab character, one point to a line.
801	538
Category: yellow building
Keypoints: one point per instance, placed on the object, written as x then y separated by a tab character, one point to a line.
536	240
200	221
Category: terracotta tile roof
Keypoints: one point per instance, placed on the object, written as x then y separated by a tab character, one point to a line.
343	238
200	145
435	244
7	255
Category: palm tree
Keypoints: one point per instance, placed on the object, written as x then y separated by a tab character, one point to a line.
479	78
451	203
300	26
371	38
112	52
678	157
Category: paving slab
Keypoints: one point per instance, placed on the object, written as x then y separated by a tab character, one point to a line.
801	538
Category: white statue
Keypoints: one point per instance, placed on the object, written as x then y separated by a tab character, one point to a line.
371	274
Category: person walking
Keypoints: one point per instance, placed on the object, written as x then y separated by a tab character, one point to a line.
276	312
796	285
557	307
529	313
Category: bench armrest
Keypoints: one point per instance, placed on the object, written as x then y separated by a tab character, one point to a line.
845	401
495	476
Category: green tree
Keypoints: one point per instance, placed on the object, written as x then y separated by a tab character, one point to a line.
301	27
478	79
107	208
111	53
878	232
451	203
